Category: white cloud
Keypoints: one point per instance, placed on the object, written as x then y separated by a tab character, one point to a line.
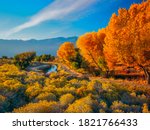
57	10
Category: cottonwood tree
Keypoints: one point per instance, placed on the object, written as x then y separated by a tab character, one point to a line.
66	52
91	47
128	38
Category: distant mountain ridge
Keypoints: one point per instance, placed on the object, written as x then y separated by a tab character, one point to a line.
46	46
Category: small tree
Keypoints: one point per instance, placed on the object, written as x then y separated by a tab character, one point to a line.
66	52
23	60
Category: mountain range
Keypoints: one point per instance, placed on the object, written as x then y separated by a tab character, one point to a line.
46	46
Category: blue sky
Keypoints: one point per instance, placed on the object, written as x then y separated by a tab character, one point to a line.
40	19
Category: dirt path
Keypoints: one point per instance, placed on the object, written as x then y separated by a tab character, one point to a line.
90	77
69	70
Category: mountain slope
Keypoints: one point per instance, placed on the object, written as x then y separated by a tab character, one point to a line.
46	46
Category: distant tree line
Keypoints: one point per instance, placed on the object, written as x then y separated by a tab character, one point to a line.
23	60
44	58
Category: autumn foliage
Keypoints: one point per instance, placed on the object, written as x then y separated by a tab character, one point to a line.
91	47
27	93
128	38
124	43
66	51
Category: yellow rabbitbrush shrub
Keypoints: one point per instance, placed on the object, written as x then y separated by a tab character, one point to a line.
83	105
145	108
95	86
11	69
33	77
13	84
103	107
46	96
11	72
40	107
66	99
33	90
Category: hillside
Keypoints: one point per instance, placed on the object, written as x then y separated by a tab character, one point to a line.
46	46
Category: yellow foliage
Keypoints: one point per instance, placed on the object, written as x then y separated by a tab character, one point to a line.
33	89
66	99
127	38
83	105
46	96
95	86
66	51
40	107
145	108
91	46
13	84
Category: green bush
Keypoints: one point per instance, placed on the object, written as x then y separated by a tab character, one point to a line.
23	60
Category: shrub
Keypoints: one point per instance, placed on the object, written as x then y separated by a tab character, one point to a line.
33	90
118	106
83	105
145	108
46	96
103	107
66	99
2	101
95	86
40	107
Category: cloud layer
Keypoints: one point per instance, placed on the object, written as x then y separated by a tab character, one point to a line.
57	10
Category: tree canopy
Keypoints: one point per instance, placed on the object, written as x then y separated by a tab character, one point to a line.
91	47
66	51
23	60
127	38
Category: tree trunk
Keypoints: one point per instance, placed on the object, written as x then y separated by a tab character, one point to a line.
147	74
148	78
107	74
94	61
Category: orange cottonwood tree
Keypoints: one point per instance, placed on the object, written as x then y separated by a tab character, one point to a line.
91	47
128	38
66	51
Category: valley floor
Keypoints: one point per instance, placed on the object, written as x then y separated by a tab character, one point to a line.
68	91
